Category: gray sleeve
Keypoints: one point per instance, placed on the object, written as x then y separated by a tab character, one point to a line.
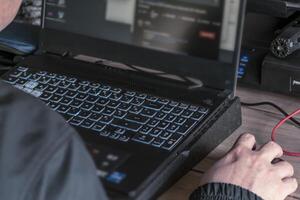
68	175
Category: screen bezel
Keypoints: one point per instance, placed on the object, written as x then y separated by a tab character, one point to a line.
213	74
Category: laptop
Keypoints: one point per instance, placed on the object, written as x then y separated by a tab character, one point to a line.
143	82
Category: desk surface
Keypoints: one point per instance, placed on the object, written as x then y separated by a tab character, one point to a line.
259	121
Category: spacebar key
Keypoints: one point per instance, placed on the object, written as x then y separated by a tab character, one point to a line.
126	124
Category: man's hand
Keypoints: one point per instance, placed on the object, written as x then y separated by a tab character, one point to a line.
8	10
255	170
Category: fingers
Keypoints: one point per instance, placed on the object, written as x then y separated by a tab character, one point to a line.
290	185
270	151
284	169
246	140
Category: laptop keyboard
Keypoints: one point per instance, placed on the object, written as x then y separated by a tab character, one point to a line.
111	112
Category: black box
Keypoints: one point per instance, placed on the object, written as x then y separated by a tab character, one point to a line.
282	75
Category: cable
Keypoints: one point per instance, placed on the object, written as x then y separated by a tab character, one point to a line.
296	122
288	153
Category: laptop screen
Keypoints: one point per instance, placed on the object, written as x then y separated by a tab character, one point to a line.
197	28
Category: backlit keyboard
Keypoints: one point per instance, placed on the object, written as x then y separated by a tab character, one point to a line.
111	112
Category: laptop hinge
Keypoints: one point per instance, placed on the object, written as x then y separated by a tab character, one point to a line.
57	52
226	94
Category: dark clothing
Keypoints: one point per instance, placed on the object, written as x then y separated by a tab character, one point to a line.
42	157
221	191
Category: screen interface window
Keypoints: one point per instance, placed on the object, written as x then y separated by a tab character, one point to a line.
198	28
30	12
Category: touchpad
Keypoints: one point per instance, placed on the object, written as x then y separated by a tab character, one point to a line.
106	159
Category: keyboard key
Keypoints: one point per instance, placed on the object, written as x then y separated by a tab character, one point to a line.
177	111
54	82
160	116
74	111
61	92
99	127
186	127
36	93
84	114
142	138
103	102
94	91
46	96
193	108
141	96
115	97
106	119
165	135
105	87
152	105
120	131
87	123
87	106
153	122
76	103
167	109
63	109
197	115
203	110
35	77
155	132
51	89
152	98
74	86
95	117
84	89
136	118
163	125
32	85
116	90
126	99
66	101
97	109
119	114
135	109
25	75
81	96
94	85
53	106
55	98
124	107
21	82
170	118
43	80
61	77
137	102
131	94
76	121
64	84
51	75
71	80
173	128
183	106
172	142
163	101
158	142
92	99
105	94
187	113
114	136
180	120
85	83
145	129
148	112
113	104
71	94
108	111
126	124
67	116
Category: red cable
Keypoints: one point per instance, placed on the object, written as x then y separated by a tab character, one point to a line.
288	153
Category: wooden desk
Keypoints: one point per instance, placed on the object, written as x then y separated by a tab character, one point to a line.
259	121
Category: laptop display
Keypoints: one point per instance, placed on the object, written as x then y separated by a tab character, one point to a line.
185	27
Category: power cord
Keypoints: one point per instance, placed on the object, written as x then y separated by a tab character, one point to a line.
266	103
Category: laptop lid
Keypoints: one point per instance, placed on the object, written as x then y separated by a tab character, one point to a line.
195	39
22	36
